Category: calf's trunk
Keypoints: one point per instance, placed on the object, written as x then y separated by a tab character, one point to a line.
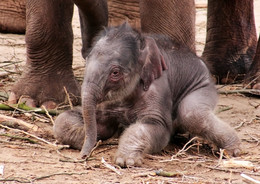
89	102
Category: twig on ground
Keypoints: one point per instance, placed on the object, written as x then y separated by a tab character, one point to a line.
255	118
31	135
230	170
28	113
72	160
37	117
93	149
251	82
47	113
144	174
23	144
68	97
69	159
242	91
192	159
26	180
250	179
223	109
221	154
254	138
57	174
21	138
25	108
16	179
107	165
87	158
240	125
104	150
183	150
256	105
4	118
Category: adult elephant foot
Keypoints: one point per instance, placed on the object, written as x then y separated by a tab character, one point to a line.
253	76
231	67
231	39
49	56
50	89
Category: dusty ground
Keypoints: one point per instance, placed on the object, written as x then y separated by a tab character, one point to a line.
25	162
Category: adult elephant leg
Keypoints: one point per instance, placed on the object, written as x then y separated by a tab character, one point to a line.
231	38
170	17
93	18
253	76
12	16
49	55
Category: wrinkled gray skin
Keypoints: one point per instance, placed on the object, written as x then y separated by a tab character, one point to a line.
149	85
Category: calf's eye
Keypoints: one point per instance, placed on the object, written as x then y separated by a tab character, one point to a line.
115	74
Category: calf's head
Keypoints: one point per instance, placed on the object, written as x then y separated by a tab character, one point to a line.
120	59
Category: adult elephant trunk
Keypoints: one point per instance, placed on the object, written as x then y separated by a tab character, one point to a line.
90	98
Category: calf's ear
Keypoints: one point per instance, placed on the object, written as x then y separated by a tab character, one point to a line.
152	62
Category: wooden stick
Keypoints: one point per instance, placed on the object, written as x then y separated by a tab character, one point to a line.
38	146
4	118
250	179
183	150
26	180
24	107
112	168
93	149
21	138
47	113
242	91
69	159
68	97
223	109
57	174
230	170
31	135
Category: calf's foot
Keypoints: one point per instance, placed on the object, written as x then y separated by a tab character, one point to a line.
138	139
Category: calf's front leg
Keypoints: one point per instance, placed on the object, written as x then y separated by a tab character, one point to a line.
142	137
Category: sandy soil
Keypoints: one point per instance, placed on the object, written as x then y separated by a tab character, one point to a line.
25	162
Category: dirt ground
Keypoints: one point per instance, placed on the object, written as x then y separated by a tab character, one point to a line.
28	159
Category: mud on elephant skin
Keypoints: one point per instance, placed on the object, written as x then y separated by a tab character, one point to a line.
120	88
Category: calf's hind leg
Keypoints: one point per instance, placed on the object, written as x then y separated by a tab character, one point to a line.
68	128
195	115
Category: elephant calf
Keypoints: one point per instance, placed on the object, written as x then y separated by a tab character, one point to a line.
149	85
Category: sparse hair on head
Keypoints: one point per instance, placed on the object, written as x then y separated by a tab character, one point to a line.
125	33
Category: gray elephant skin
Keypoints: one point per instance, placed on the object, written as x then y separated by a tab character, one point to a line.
150	86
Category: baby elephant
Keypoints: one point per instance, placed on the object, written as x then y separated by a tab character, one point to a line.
150	86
